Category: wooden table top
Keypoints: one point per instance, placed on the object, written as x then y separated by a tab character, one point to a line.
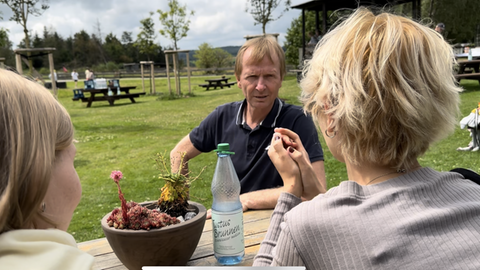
463	62
218	80
255	225
100	90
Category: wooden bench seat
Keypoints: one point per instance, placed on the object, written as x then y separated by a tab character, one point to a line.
468	76
214	86
114	97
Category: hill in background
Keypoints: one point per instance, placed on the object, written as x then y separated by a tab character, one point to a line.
233	50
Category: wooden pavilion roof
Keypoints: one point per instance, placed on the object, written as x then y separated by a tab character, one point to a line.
338	4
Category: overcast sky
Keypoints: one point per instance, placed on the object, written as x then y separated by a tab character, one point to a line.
217	22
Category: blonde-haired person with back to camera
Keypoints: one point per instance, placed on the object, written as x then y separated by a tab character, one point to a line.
381	89
39	187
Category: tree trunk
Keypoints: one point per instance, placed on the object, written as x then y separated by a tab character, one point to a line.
27	45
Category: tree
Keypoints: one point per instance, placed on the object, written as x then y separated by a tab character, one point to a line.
459	16
21	9
3	37
113	48
209	57
146	38
293	39
262	11
175	22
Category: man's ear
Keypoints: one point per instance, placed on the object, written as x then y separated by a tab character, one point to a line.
238	81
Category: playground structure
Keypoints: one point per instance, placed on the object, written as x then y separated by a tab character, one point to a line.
152	76
26	54
176	72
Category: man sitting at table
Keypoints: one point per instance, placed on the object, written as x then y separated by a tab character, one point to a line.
248	127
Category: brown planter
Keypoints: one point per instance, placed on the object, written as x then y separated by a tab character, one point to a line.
171	245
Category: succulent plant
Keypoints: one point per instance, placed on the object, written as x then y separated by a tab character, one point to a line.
176	191
173	201
134	216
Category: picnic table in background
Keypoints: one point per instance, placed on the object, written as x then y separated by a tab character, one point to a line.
105	95
468	70
220	82
255	224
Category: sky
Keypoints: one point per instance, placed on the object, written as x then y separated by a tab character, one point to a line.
217	22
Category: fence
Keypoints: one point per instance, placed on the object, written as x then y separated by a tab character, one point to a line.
158	73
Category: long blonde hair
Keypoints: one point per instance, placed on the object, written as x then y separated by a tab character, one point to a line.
388	85
33	127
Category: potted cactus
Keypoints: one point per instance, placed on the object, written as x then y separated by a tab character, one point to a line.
151	233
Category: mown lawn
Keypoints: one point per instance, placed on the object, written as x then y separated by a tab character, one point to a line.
127	136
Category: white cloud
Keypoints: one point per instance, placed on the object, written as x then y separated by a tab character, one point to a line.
218	22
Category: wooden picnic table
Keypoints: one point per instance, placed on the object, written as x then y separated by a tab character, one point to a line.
105	97
220	82
255	225
468	70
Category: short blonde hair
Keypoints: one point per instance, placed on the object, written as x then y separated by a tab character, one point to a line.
388	85
33	128
261	46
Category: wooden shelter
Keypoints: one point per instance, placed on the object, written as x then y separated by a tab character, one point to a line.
25	54
330	5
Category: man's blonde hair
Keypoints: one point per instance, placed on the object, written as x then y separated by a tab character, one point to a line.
33	128
264	46
388	84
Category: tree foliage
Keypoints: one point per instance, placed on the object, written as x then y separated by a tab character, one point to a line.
262	11
209	57
146	38
3	37
175	21
293	39
459	16
21	9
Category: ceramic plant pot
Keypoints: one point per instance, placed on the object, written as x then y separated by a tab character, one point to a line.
167	246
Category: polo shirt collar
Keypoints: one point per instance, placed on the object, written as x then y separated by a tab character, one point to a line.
269	121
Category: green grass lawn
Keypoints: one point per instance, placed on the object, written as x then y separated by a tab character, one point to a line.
127	136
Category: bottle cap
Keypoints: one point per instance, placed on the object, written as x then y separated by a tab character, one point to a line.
224	148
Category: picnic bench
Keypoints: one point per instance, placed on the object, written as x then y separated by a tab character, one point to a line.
220	82
468	70
255	225
105	96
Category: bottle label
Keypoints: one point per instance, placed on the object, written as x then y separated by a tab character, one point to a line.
228	232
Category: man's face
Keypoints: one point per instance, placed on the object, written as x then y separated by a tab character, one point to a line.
260	82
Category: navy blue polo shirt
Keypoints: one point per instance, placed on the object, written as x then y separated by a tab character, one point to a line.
254	168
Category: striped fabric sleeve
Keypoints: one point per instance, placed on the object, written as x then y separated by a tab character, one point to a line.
278	247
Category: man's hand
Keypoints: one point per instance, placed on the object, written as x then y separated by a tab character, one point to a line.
209	211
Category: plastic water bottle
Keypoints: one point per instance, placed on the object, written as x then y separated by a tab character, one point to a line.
227	213
470	55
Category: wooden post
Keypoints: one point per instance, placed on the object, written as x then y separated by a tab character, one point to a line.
188	73
18	63
141	71
168	74
175	72
153	77
54	83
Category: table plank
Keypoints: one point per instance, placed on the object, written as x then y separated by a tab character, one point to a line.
255	225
